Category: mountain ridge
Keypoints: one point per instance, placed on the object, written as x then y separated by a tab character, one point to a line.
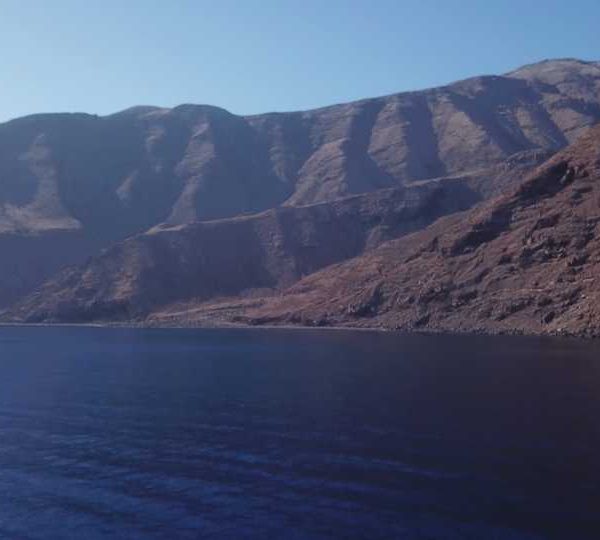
83	182
150	108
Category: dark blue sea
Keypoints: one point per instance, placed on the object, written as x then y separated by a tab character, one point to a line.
186	434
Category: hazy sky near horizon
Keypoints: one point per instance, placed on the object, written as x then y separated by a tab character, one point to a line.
252	56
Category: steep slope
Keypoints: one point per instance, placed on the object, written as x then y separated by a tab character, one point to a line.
126	172
86	181
251	255
524	262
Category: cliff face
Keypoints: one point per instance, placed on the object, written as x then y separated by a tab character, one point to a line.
528	262
88	182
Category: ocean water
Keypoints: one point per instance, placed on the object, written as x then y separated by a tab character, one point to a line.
168	434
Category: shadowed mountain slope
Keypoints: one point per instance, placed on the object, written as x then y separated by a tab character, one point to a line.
249	255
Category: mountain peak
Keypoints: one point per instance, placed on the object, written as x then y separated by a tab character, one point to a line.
556	69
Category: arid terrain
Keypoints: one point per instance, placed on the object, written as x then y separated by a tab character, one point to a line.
528	261
193	215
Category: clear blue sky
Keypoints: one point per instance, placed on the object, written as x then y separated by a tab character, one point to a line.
252	56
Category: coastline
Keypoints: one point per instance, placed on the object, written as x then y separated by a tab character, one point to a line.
583	335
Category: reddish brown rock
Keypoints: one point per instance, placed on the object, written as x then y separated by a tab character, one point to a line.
525	262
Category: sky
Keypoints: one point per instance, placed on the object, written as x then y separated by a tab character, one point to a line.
254	56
